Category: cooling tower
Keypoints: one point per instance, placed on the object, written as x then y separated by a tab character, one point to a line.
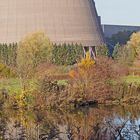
64	21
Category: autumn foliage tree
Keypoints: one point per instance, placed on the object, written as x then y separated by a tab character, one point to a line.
91	79
81	74
130	52
134	42
34	49
124	54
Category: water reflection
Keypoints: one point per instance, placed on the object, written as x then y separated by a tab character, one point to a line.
98	123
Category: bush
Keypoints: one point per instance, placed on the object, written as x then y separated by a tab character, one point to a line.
47	85
66	54
6	72
51	92
90	82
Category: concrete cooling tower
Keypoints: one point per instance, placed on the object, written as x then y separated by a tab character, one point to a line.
63	21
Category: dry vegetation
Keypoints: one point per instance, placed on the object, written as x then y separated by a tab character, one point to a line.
89	81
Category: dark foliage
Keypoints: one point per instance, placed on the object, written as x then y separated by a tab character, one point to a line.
102	50
66	54
48	85
120	37
8	54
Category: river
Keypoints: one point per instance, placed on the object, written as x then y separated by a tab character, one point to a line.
95	123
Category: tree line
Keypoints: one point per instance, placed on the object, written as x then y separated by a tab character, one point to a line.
8	54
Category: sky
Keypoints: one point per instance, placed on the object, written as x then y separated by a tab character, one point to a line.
119	12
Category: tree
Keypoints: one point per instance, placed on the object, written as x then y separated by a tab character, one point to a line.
34	49
121	37
130	52
66	54
102	50
8	54
123	54
134	42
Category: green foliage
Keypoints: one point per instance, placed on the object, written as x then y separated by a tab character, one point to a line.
12	85
117	51
8	54
130	53
124	54
102	50
5	71
66	54
131	79
34	49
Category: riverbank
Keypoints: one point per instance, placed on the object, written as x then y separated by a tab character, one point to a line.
59	93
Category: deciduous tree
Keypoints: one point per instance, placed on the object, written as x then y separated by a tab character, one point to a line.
32	50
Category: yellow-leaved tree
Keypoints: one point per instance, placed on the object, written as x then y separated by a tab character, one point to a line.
83	67
135	42
32	50
82	77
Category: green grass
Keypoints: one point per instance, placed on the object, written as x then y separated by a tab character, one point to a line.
13	85
62	82
131	79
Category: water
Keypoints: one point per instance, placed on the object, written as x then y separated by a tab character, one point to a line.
96	123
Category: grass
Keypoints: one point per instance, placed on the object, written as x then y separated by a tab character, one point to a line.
131	79
62	82
13	85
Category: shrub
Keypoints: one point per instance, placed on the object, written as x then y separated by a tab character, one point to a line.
6	72
47	85
82	79
91	82
51	92
52	70
66	54
81	73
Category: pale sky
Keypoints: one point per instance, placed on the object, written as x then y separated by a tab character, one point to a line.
122	12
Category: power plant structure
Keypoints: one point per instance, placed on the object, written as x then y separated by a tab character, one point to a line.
63	21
